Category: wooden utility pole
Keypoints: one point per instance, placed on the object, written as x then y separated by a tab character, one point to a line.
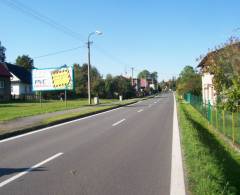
132	74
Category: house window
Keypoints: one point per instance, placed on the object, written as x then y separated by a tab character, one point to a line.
1	84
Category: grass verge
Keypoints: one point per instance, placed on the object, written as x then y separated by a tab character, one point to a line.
10	111
86	111
212	166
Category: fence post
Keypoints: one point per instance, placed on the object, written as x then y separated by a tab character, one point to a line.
216	122
223	116
209	112
233	129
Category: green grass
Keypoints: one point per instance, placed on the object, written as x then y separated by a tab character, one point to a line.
87	110
212	166
9	111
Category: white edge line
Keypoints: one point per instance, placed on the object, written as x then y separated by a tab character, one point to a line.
115	124
58	125
29	170
177	176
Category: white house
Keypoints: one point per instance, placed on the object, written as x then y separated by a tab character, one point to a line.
21	81
208	92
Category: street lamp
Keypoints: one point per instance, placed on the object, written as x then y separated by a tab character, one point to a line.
89	62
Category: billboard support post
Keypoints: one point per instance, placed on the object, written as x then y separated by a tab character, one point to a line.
41	99
66	96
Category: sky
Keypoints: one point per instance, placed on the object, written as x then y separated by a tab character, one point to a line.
156	35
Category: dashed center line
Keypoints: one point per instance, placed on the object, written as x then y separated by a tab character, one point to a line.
117	123
140	110
29	170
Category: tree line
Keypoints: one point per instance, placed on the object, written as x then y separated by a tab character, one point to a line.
109	87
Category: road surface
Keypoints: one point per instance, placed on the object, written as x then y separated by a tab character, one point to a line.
126	151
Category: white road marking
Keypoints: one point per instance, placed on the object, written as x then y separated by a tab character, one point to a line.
29	170
177	176
59	125
115	124
155	102
140	110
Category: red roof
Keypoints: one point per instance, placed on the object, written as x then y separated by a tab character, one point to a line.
3	71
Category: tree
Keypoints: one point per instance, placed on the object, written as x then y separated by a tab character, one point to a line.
154	76
224	65
98	88
109	86
77	81
123	87
145	74
2	53
189	81
25	61
81	80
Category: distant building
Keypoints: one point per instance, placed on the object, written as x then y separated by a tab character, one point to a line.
147	84
5	86
136	84
21	81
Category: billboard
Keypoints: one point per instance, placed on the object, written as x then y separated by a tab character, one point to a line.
52	79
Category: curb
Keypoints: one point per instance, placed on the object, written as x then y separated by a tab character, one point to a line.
177	172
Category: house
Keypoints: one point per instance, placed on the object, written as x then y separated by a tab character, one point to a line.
136	84
5	86
147	84
208	92
21	81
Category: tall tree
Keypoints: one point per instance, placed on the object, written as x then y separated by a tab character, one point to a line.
145	74
81	80
123	87
109	86
154	76
25	61
189	81
2	53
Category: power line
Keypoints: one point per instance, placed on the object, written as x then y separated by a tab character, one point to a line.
107	54
15	4
42	18
58	52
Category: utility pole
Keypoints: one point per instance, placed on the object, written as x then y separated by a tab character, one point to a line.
132	74
89	63
89	85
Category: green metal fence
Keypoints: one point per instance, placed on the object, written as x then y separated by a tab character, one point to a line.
228	123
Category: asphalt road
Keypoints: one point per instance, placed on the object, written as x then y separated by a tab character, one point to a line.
126	151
